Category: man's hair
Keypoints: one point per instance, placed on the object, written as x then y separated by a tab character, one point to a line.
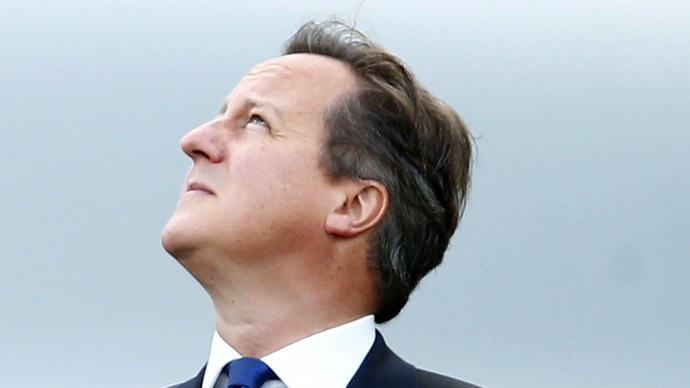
394	131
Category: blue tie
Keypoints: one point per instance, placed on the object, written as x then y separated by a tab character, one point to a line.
248	373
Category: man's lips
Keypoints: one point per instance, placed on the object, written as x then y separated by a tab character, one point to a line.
199	187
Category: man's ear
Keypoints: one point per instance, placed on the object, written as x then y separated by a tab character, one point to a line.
363	207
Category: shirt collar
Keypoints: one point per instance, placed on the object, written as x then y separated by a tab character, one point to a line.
221	354
326	359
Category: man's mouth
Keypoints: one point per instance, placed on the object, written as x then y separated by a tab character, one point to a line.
199	187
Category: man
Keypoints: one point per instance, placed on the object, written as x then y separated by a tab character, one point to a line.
329	184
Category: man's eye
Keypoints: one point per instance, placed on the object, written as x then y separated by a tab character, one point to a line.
256	119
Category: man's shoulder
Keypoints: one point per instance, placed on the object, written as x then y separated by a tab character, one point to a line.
429	379
382	368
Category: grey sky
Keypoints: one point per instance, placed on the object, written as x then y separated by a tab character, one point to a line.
569	269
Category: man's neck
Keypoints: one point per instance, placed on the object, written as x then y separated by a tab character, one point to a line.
263	306
271	324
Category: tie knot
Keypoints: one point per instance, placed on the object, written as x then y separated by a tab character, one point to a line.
248	373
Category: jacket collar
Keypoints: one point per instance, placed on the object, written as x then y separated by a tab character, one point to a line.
384	369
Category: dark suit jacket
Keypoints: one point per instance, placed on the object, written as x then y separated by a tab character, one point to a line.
381	368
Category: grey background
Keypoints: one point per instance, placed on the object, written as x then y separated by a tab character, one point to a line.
570	268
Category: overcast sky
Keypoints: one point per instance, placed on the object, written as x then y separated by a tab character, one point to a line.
570	268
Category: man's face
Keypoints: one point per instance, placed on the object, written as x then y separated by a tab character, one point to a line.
255	188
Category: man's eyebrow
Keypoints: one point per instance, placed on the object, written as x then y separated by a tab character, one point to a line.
223	108
251	103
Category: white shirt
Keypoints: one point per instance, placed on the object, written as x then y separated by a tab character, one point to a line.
326	359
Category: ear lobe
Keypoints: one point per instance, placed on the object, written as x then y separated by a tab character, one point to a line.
362	209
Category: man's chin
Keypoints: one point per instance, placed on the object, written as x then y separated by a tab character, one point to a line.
178	240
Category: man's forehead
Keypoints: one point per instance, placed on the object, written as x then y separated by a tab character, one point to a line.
314	69
299	63
271	66
323	77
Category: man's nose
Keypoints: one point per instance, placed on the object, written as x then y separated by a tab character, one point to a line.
204	142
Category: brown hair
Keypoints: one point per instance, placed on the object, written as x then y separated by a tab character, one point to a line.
394	131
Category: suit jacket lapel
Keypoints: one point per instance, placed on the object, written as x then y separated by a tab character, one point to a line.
194	382
382	368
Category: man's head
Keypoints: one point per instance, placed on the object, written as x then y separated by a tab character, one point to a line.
392	130
331	159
